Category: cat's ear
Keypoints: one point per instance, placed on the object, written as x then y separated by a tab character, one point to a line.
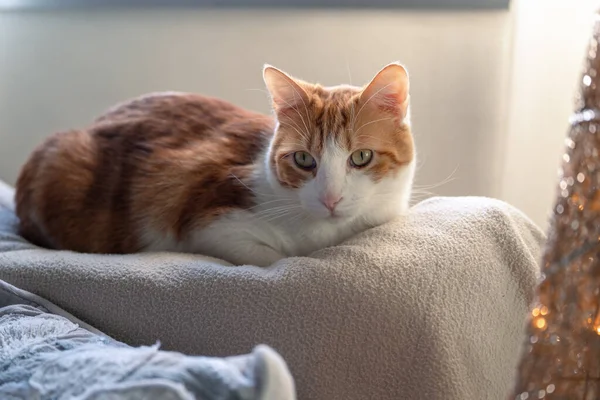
285	93
388	91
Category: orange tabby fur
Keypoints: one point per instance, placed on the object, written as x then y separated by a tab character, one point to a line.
176	159
175	163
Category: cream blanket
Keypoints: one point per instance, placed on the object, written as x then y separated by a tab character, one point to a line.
427	307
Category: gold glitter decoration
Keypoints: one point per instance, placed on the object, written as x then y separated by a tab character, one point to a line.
561	359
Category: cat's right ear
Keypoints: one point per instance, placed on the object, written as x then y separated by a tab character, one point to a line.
285	93
388	91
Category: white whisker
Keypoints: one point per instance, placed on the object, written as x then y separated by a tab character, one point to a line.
277	209
366	102
446	180
307	135
297	131
378	139
305	108
259	90
250	189
371	122
266	202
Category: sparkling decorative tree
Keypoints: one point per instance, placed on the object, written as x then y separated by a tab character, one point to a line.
561	358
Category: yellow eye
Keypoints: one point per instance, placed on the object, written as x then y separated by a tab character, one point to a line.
304	160
361	158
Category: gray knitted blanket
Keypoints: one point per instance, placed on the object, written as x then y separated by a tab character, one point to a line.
46	353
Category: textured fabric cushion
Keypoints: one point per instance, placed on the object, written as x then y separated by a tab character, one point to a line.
430	306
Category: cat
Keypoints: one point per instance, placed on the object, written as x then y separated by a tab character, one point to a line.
182	172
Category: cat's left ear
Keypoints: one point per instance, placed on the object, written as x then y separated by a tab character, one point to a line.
388	91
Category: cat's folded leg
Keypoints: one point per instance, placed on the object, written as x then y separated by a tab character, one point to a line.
254	253
237	241
241	249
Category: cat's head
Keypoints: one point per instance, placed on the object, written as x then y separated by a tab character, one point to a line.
344	151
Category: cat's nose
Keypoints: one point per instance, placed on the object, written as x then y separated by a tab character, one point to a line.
330	201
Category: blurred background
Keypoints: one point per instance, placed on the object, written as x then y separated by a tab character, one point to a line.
492	83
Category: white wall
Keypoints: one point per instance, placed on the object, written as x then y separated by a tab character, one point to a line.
58	70
551	37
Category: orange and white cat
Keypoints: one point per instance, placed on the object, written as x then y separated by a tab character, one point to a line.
187	173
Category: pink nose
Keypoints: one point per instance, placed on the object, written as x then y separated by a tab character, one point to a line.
331	201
